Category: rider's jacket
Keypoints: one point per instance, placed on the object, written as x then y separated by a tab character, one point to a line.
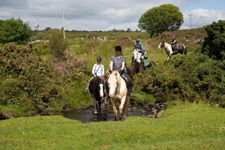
173	41
117	62
98	69
138	46
146	61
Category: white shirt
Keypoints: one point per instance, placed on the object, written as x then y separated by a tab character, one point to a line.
98	69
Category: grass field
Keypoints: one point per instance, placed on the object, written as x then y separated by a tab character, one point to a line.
191	126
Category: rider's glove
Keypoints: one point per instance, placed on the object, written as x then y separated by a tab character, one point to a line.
120	71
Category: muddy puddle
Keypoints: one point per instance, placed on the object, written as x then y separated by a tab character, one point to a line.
85	114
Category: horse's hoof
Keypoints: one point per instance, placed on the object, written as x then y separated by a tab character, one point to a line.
95	112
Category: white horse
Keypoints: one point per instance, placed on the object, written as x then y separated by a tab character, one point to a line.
138	57
181	49
118	92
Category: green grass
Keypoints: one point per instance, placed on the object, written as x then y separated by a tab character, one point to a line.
187	127
75	47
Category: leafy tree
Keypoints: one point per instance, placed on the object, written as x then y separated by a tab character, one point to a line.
14	30
214	43
128	30
159	19
58	45
47	28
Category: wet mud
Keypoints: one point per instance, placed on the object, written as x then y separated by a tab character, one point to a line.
86	115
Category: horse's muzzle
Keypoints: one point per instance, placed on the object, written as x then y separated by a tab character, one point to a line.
111	95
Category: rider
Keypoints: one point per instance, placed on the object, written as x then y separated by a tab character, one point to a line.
146	61
138	46
118	63
173	43
97	70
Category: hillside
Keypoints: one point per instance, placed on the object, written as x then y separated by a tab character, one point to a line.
80	57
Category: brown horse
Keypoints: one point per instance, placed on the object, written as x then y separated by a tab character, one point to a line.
96	89
130	71
138	64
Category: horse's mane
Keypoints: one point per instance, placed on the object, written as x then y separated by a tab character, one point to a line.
118	77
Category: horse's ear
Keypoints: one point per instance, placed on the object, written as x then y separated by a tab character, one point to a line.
106	75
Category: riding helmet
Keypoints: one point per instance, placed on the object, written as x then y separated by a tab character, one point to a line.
137	40
99	59
118	48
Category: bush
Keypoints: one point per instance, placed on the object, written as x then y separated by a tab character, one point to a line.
194	77
14	30
27	83
214	43
29	86
58	45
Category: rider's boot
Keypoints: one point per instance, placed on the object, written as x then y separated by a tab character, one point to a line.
131	92
86	90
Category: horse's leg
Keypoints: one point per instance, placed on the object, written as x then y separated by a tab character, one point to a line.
121	107
99	105
142	68
126	107
168	58
114	109
95	104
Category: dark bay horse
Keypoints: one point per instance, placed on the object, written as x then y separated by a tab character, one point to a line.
138	63
96	89
180	47
139	67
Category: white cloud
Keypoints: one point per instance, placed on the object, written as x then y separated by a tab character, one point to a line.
97	14
201	17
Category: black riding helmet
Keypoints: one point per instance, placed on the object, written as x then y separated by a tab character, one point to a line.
118	48
99	59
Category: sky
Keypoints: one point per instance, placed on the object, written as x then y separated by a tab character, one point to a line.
105	15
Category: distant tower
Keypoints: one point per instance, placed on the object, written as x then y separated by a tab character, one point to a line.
190	20
64	36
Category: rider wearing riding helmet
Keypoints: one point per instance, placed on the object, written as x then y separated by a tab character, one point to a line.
118	63
138	46
97	70
173	43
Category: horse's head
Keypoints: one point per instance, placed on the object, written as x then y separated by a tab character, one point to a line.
114	83
161	45
99	85
137	56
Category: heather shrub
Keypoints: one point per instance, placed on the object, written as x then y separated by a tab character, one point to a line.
29	86
194	77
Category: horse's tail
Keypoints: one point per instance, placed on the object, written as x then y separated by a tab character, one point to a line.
185	49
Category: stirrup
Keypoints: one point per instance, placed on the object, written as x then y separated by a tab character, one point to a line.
132	94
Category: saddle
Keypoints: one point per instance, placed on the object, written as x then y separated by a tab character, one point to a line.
127	81
175	48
